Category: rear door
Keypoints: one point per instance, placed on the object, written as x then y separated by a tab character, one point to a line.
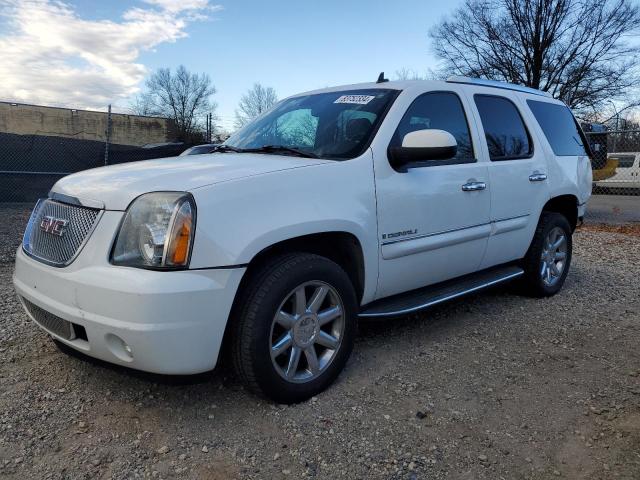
517	173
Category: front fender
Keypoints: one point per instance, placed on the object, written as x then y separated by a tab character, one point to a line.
302	229
238	219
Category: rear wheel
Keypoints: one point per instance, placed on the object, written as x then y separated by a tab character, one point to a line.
547	262
295	327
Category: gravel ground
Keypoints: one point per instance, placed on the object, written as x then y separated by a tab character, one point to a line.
495	386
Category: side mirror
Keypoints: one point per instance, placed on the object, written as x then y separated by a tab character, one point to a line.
423	145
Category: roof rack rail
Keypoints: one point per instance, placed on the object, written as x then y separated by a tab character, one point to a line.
496	84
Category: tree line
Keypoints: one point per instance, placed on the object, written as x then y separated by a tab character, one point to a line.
186	98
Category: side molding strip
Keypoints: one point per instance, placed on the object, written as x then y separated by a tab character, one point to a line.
403	247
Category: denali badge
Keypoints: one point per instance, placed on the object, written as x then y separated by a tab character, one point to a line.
405	233
53	225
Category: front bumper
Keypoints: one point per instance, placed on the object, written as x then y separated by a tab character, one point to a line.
172	322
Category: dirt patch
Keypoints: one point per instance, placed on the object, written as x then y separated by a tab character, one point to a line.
627	229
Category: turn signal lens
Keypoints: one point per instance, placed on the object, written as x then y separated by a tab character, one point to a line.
180	238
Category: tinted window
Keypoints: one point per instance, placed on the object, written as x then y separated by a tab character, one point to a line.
437	110
559	127
507	137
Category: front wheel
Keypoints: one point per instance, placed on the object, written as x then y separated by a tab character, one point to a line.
547	262
295	327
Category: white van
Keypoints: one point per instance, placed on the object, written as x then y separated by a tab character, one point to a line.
627	173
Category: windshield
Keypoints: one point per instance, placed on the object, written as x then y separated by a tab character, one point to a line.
336	125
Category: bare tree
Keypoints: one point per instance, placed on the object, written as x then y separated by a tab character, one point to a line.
575	49
182	96
257	100
407	74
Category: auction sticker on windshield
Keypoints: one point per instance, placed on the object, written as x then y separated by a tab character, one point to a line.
355	99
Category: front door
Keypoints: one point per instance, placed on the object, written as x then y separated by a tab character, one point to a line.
433	218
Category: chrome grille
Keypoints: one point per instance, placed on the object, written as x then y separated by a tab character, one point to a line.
49	321
58	248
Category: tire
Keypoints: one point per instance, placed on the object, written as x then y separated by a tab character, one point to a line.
540	278
271	315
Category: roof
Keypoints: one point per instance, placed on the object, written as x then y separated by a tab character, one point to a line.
496	84
435	84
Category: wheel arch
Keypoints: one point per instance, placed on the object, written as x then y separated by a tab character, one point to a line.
342	247
566	205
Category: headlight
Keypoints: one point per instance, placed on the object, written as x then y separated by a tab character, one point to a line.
157	232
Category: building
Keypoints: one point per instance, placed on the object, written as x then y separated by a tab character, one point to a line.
134	130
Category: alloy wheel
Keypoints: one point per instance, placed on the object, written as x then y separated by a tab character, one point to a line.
554	256
307	331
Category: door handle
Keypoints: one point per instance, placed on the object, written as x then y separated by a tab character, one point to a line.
473	186
537	177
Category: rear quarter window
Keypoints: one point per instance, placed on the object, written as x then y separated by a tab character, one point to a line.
559	127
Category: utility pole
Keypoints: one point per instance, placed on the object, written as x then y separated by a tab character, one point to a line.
615	135
108	135
209	127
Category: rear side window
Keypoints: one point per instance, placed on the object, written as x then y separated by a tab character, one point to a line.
559	127
505	132
441	111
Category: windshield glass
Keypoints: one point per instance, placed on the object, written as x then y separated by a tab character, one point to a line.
336	125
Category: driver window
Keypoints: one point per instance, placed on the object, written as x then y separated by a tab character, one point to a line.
441	111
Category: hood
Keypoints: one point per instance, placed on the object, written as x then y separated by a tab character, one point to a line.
117	185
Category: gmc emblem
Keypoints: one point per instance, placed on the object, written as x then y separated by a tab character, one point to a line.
53	225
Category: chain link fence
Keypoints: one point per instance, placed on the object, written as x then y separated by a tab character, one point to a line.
31	164
616	162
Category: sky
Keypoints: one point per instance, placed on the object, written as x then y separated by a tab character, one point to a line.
88	54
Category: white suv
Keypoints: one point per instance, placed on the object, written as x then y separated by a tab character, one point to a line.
370	200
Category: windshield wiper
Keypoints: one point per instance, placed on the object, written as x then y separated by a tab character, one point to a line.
226	148
281	148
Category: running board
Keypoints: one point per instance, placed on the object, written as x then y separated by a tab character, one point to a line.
415	300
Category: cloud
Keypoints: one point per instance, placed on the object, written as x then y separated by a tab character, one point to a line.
49	55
